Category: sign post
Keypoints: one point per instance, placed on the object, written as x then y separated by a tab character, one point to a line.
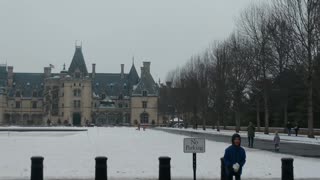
194	146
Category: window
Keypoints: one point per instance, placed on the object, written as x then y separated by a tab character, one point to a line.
62	113
77	92
126	105
62	85
144	93
62	105
103	96
120	97
18	104
144	118
35	94
18	94
77	74
34	104
120	105
76	103
144	104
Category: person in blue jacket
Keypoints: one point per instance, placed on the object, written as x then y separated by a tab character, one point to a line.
234	158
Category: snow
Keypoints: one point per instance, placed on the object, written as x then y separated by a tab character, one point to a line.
303	139
59	128
131	154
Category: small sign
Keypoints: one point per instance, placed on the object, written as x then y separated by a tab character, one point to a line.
194	145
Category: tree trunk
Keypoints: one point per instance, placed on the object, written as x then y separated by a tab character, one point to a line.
258	115
237	114
218	121
310	109
266	112
285	113
204	118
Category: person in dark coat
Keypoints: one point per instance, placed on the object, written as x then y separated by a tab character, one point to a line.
251	133
289	126
234	158
276	141
296	128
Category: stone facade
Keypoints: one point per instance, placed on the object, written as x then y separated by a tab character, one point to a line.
77	97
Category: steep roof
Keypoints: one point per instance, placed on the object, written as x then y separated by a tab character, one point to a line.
3	76
27	83
146	83
111	84
78	62
133	75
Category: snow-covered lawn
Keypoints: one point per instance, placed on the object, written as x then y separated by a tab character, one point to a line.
132	154
303	139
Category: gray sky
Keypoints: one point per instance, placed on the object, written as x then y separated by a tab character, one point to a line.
35	33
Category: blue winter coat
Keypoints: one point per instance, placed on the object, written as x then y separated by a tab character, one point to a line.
234	154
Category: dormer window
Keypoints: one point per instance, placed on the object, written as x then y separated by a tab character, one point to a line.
77	74
35	94
144	93
120	97
103	96
18	94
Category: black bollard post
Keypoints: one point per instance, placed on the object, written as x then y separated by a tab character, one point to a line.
164	168
287	169
101	168
223	172
37	168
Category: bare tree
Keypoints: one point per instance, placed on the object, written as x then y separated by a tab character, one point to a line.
304	15
241	65
253	23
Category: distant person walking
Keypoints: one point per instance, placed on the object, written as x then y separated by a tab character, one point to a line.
138	127
234	158
276	141
289	127
251	133
297	128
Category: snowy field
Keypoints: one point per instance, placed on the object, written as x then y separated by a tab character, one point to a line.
303	139
132	155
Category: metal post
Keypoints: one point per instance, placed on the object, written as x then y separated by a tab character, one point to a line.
287	169
37	168
101	168
164	168
194	166
223	172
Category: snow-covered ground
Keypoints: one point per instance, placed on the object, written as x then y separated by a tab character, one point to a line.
57	128
259	135
132	154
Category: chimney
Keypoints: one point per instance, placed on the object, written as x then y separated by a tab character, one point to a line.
10	76
47	72
146	66
93	70
142	72
122	71
169	84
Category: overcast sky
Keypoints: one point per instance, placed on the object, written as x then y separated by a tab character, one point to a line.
36	33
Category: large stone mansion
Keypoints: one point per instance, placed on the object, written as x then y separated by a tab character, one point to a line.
76	97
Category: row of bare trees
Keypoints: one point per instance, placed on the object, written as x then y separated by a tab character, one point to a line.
272	57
